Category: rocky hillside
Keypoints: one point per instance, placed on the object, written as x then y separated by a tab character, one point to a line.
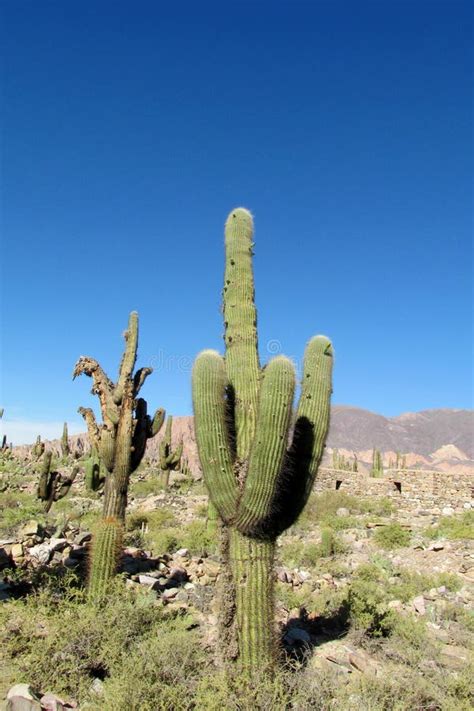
418	432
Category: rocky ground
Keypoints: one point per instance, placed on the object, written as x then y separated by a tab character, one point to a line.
363	592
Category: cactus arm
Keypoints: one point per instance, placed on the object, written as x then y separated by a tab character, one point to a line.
157	422
314	403
240	318
64	483
268	449
44	484
102	385
311	426
92	428
139	378
129	357
209	390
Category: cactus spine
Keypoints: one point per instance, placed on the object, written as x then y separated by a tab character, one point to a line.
121	438
65	442
53	485
242	418
170	459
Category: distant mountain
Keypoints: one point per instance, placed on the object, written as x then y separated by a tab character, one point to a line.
419	432
448	435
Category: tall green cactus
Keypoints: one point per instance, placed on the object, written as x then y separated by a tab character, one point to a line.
65	442
121	438
170	458
258	484
53	485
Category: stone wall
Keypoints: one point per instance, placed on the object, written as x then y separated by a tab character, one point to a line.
412	490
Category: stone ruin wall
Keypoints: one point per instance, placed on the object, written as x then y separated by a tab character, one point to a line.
411	490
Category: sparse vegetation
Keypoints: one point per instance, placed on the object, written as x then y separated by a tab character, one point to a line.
454	527
392	536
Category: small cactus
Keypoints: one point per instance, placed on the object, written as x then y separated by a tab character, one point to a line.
377	463
53	485
38	448
65	449
170	458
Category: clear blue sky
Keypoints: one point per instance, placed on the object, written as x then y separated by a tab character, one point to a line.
132	129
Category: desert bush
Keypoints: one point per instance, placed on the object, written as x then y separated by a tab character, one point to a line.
392	536
198	538
453	527
16	509
40	651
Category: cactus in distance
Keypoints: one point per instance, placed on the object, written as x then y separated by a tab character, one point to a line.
53	485
38	448
256	482
65	449
120	440
170	458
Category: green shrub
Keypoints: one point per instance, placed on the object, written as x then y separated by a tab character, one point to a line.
63	647
198	538
392	536
453	527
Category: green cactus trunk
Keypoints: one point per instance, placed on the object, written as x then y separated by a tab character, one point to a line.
65	442
251	562
242	420
104	558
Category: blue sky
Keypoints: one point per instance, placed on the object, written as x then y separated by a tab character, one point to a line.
130	130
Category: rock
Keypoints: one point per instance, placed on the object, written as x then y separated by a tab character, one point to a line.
23	690
466	505
149	581
447	511
182	552
454	657
170	593
97	687
32	528
178	574
41	553
418	603
342	512
304	575
297	635
58	544
51	702
21	698
83	537
363	662
283	575
395	604
436	546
